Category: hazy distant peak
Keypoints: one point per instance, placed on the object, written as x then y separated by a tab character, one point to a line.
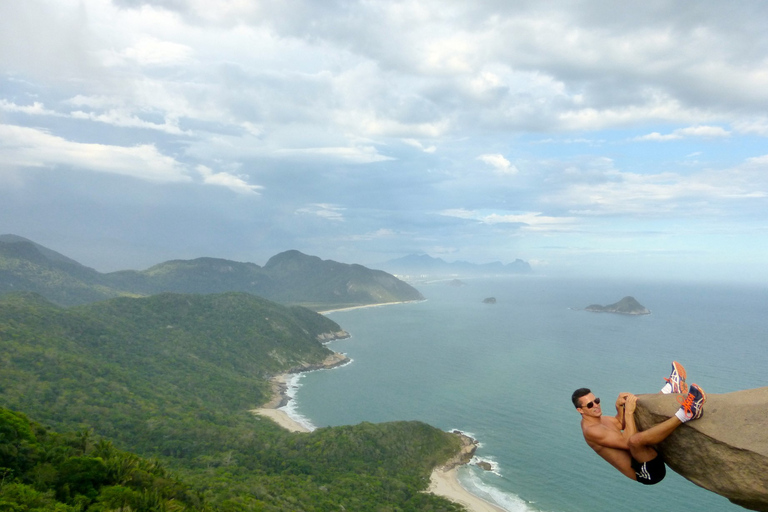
291	256
48	254
426	264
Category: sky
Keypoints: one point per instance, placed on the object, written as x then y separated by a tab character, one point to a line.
588	138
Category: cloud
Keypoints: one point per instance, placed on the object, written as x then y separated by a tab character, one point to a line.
685	133
714	193
28	147
416	144
125	119
530	221
151	51
499	163
352	155
324	211
115	117
36	108
757	126
230	181
379	234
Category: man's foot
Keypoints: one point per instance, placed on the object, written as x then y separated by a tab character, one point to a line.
676	381
693	406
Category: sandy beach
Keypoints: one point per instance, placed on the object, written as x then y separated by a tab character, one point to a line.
443	481
323	312
272	408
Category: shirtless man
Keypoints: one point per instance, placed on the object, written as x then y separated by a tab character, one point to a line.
616	438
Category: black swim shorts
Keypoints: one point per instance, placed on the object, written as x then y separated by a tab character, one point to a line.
651	472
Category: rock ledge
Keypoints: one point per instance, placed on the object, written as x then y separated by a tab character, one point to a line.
725	451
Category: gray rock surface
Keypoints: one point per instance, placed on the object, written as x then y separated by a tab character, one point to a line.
724	451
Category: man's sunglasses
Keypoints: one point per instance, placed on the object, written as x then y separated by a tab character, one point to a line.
589	405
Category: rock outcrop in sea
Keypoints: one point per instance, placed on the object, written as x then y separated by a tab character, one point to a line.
465	454
724	451
328	337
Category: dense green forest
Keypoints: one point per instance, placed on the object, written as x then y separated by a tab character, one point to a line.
173	377
44	470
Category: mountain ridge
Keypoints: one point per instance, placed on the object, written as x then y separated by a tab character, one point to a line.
429	265
288	277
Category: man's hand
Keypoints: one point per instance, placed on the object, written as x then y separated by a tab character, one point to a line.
621	400
630	404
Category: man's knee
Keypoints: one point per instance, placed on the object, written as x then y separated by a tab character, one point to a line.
636	441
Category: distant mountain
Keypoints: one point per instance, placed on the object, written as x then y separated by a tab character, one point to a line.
289	277
27	266
626	306
422	264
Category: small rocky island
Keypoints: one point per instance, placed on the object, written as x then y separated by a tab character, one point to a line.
626	306
489	300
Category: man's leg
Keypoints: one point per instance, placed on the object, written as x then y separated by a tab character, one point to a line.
641	444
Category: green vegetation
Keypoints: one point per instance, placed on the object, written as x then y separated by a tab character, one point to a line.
173	377
43	470
290	277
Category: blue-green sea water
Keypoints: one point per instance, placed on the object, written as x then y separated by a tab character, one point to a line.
504	374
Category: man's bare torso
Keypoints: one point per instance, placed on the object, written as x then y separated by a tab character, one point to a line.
618	458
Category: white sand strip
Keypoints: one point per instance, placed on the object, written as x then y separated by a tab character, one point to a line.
446	484
281	418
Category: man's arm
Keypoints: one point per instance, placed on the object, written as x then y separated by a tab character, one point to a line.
630	428
620	401
602	436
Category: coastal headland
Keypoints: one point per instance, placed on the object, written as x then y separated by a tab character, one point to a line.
444	480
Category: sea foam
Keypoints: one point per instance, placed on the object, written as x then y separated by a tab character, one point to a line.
471	481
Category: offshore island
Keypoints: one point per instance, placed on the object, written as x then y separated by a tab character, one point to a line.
626	306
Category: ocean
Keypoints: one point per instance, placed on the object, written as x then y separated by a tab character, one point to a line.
504	374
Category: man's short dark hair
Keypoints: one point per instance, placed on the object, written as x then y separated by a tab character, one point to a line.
578	394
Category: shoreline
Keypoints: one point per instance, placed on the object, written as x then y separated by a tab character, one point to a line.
444	480
364	306
274	409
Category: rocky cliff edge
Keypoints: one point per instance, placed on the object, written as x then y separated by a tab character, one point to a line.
725	451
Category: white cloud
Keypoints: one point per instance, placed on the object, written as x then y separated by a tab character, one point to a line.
28	147
230	181
416	144
324	211
379	234
150	51
758	126
665	194
123	118
35	109
685	133
352	155
499	163
531	221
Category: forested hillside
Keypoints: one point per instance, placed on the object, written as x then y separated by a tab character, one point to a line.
113	364
290	277
44	470
174	377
